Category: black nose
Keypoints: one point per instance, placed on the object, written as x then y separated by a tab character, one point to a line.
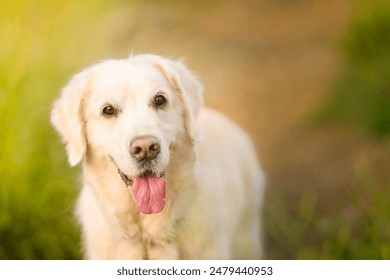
144	148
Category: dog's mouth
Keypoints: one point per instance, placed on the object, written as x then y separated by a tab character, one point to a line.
148	191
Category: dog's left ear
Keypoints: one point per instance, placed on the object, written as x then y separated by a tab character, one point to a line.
67	119
188	89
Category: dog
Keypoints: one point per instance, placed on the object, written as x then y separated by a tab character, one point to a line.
163	176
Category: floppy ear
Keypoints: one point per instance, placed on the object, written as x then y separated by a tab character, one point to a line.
67	117
188	89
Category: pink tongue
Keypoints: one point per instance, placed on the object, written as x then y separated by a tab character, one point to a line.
149	193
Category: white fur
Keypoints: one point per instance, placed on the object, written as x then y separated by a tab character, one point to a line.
214	182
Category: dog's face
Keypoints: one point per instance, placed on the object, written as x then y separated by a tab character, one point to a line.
130	112
129	102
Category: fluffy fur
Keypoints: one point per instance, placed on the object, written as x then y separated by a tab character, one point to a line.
214	184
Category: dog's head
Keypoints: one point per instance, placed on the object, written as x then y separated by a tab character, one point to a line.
131	112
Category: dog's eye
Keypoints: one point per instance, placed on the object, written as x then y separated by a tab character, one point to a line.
160	100
108	110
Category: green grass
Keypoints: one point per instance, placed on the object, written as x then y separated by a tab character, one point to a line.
362	94
313	230
42	43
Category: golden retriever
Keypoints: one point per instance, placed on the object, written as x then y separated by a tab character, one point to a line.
163	177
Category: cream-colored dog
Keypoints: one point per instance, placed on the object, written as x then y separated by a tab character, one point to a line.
163	177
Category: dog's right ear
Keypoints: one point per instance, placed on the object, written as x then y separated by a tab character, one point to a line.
67	116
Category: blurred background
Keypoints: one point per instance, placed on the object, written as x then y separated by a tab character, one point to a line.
308	80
